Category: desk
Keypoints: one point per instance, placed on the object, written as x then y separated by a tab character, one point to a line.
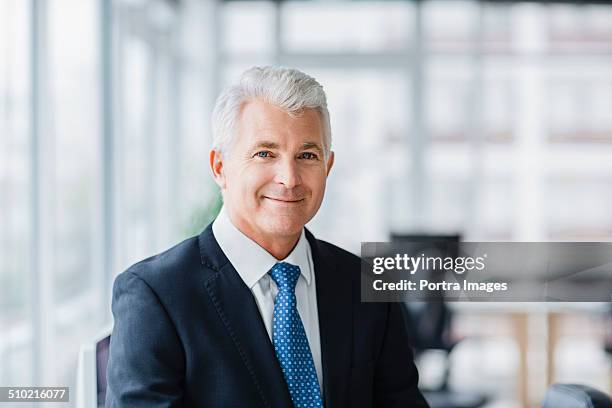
519	314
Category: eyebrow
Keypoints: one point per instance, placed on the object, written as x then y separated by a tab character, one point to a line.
312	145
272	145
266	145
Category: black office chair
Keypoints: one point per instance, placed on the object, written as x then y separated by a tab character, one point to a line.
429	327
428	324
102	350
91	372
575	396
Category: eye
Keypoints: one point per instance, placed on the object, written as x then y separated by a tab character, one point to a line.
309	156
263	154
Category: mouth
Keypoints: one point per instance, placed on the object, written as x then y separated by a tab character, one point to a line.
284	200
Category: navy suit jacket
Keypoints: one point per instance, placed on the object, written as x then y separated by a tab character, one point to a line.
188	333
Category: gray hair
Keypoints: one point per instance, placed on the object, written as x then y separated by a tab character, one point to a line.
286	88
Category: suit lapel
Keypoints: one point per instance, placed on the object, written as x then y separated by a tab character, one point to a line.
239	313
334	302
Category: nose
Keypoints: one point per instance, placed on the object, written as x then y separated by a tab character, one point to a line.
288	173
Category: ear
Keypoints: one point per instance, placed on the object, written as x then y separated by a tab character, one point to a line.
330	162
216	167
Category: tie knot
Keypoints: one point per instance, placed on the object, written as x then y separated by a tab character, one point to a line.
285	276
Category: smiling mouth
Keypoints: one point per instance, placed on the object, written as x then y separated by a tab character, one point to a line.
278	200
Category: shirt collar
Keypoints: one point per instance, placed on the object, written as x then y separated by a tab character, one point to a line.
251	261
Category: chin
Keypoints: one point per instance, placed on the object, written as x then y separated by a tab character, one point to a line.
284	226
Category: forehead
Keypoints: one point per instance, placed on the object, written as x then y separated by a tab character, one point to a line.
260	120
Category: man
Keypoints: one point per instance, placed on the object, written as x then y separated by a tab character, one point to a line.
256	312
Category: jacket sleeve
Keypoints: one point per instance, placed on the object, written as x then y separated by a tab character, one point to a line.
146	360
396	378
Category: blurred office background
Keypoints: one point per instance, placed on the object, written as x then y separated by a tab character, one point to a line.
488	119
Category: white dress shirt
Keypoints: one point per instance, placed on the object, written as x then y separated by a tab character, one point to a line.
253	263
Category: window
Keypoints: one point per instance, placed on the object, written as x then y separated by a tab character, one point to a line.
15	192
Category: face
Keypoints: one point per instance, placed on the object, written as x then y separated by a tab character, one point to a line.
273	175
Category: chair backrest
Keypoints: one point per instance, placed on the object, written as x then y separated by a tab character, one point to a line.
428	323
575	396
91	371
102	348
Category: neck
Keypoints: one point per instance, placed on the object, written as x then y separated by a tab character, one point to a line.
279	246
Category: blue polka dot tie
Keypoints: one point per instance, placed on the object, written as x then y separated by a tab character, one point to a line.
290	342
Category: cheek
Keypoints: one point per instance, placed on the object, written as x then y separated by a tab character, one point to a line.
316	181
252	181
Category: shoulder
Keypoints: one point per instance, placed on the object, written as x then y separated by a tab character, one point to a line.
175	264
345	265
345	269
337	254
